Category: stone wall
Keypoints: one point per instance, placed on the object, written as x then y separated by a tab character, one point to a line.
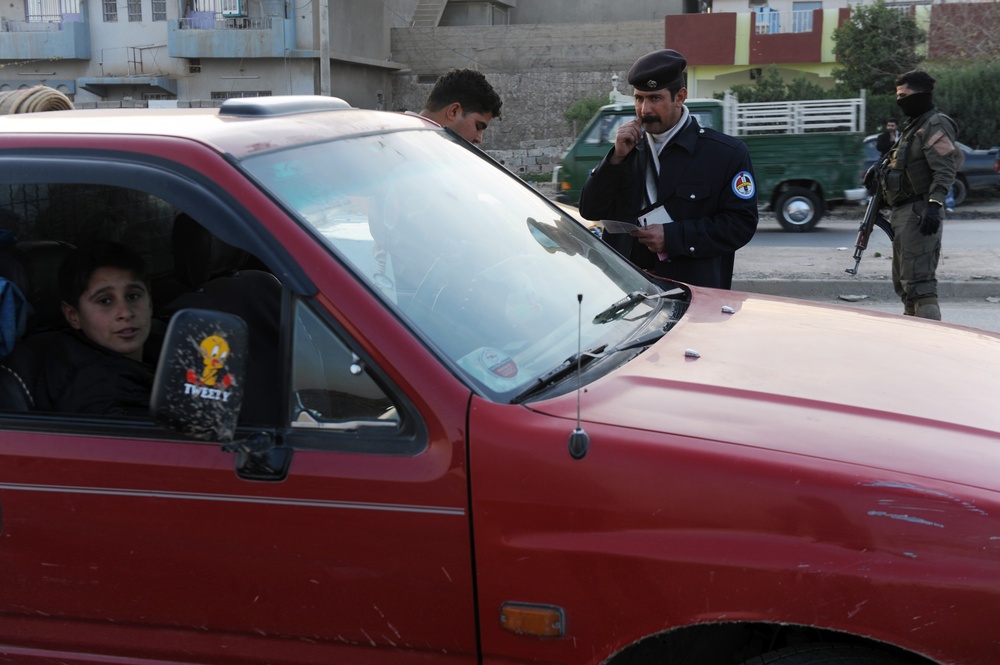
533	157
539	72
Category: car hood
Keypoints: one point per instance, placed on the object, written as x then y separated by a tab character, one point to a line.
824	380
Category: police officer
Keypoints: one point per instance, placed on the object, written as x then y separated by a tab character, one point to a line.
693	186
915	183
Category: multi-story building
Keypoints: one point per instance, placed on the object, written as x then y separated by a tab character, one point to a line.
122	51
541	55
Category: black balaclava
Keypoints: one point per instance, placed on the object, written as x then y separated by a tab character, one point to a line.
917	104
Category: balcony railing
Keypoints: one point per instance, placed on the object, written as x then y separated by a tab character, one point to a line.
45	36
37	23
212	21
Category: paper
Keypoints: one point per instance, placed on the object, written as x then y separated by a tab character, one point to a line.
614	226
657	215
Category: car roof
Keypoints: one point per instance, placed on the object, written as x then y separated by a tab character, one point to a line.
239	127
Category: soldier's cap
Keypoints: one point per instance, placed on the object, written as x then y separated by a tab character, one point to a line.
658	70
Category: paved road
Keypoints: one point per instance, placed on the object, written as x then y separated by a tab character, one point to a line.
841	232
981	314
811	265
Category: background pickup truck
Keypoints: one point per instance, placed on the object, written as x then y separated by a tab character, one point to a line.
807	155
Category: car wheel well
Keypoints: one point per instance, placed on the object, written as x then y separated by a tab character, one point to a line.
730	643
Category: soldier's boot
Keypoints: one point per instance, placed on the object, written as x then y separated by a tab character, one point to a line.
927	308
909	309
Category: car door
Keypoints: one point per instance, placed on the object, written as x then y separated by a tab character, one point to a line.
120	539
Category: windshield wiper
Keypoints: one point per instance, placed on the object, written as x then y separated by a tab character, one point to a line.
579	360
561	371
622	307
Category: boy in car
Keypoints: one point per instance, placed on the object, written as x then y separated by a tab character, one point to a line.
97	365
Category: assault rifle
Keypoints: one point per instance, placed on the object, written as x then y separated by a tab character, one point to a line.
873	217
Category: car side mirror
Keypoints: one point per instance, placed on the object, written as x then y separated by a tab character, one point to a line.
200	376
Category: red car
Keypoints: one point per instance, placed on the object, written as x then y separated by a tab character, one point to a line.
457	428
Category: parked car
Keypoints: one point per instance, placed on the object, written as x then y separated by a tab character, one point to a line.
478	435
980	170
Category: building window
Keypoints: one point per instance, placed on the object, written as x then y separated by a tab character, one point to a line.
239	94
159	10
194	65
134	11
110	11
802	15
44	11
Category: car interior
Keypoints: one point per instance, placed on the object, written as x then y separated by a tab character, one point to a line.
189	267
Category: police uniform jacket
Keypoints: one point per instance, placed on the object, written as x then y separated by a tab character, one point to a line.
705	184
924	162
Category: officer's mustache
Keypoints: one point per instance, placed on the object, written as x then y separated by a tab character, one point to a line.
650	118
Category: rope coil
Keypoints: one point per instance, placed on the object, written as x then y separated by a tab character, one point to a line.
32	100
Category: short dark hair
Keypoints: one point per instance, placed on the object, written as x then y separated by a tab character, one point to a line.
81	264
469	88
892	119
918	80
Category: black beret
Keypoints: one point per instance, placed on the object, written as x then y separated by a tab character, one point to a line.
657	70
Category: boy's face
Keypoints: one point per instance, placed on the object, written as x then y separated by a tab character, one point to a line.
114	311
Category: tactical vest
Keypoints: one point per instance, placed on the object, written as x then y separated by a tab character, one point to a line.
902	181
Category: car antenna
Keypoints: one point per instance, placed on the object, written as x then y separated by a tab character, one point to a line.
579	441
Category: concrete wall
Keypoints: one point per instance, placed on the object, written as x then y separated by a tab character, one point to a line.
359	28
593	11
400	12
539	71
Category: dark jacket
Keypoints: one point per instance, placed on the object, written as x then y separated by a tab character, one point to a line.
78	376
701	171
885	141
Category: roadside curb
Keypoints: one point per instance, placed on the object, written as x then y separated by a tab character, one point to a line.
820	288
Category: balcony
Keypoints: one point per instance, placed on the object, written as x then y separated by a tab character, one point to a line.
63	37
210	35
755	38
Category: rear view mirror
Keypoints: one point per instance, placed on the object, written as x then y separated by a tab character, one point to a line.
199	381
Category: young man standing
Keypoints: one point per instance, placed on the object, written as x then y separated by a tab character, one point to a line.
887	138
465	102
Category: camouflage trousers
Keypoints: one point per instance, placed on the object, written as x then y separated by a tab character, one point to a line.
914	260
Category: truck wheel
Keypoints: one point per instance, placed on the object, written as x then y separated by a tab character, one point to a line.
798	209
825	654
961	191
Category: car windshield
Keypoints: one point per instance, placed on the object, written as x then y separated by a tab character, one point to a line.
486	271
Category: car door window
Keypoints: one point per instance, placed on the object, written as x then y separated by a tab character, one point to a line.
338	398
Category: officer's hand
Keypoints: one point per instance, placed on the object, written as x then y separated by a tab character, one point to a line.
930	219
652	237
869	181
627	137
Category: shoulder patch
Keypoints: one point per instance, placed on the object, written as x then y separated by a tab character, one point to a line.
743	185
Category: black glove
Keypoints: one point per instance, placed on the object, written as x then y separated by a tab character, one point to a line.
930	218
870	180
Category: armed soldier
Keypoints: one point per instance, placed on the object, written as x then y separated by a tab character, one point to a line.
921	168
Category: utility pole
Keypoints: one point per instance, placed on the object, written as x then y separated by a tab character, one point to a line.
325	86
